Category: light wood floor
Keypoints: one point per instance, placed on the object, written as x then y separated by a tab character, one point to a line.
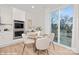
18	48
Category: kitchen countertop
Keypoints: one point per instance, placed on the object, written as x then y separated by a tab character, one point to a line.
5	33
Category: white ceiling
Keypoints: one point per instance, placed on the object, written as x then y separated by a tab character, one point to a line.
27	7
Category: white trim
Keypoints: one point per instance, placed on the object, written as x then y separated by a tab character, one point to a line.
59	27
75	50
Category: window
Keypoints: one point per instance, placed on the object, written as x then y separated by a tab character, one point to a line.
62	22
66	22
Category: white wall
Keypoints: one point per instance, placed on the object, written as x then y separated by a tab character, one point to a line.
18	14
37	17
75	40
47	21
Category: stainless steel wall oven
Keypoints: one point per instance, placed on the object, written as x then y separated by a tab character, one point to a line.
18	29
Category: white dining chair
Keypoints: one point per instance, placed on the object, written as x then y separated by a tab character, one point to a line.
26	41
42	44
51	38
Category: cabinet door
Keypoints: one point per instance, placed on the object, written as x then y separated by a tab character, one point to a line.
18	14
6	15
6	36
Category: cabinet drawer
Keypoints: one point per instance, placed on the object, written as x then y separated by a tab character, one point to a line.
4	37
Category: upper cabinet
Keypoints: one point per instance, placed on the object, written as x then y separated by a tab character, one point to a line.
18	14
6	15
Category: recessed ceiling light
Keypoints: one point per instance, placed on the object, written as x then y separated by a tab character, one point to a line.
33	6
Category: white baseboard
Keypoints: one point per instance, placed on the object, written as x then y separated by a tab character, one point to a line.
75	50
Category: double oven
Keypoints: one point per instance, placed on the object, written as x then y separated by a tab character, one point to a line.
18	29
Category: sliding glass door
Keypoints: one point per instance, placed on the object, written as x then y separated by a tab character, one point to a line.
62	22
66	22
54	24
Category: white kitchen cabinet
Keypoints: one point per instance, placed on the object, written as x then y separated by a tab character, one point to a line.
6	36
5	39
18	14
6	15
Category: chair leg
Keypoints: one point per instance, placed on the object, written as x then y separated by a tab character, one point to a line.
47	52
49	43
53	45
38	52
23	49
34	48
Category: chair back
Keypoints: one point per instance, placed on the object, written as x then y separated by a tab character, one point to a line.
26	39
42	43
52	35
